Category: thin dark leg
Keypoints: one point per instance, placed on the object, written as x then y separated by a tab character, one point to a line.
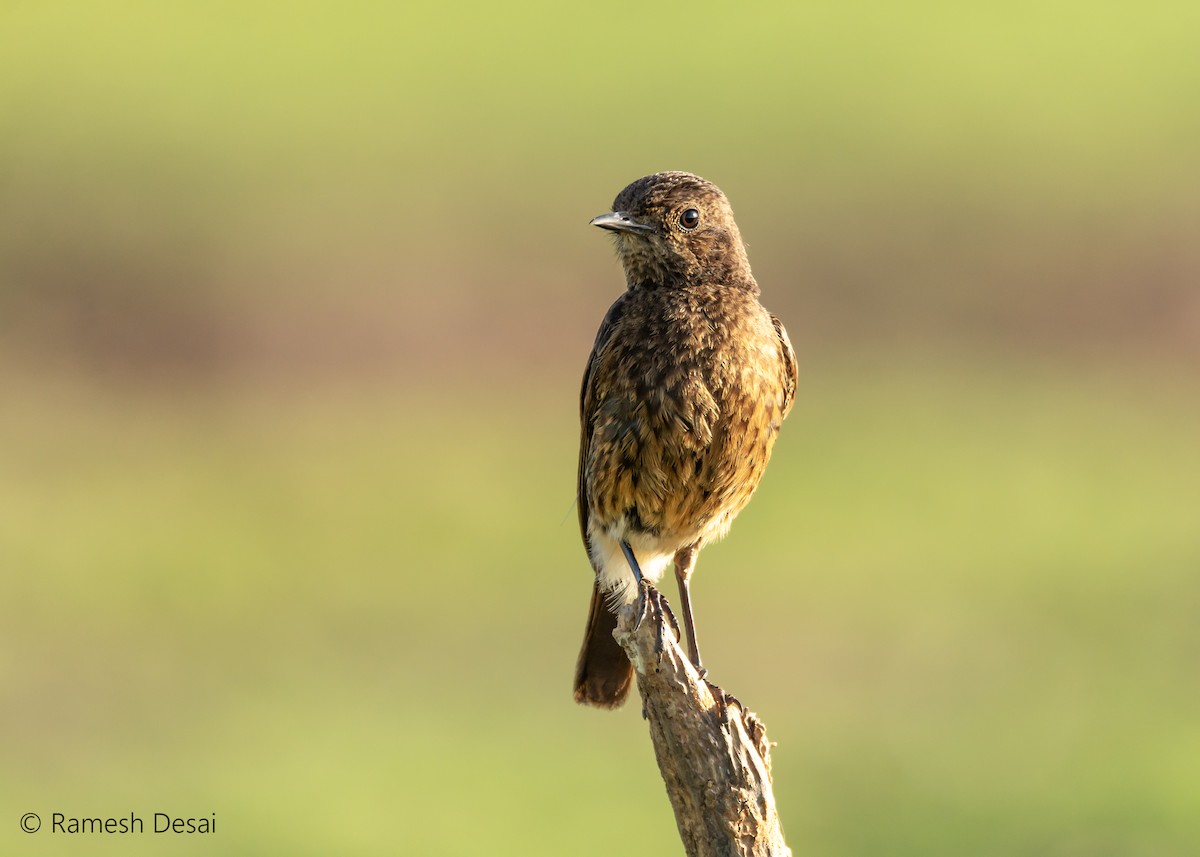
633	563
689	626
685	561
639	581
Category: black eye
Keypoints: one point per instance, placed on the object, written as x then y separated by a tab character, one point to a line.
690	219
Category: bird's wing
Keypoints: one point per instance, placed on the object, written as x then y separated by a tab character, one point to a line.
791	376
587	407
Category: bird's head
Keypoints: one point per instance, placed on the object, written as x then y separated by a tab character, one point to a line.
675	228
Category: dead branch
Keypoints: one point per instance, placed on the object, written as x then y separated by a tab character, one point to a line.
713	754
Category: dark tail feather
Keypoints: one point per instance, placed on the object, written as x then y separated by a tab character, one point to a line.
603	675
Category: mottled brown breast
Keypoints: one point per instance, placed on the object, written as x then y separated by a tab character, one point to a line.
682	401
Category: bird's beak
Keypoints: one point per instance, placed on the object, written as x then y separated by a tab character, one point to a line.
619	221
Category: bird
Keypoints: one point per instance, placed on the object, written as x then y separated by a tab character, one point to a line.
686	388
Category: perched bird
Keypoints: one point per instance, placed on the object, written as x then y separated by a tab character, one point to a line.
686	387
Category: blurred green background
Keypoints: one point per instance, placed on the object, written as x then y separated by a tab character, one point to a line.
294	299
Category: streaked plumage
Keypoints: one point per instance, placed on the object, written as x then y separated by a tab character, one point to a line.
684	393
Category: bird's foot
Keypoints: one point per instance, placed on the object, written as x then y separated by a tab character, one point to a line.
666	607
723	700
643	604
654	604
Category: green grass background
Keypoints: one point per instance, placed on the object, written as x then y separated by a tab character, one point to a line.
293	302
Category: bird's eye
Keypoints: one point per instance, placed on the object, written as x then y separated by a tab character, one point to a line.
690	219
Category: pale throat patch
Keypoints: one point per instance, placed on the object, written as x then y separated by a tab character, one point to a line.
641	259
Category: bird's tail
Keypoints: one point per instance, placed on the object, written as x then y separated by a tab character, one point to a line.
603	674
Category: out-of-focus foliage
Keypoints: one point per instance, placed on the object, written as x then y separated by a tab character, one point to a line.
293	302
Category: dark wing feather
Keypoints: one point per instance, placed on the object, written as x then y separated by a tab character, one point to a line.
791	376
587	406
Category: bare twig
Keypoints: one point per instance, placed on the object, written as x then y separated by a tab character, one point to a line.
713	754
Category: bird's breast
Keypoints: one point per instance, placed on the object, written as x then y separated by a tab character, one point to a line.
684	418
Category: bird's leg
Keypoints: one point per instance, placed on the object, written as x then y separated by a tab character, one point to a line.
685	562
639	582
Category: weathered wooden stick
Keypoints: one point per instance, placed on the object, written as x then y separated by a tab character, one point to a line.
713	754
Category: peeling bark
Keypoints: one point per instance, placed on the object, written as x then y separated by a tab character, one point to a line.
713	754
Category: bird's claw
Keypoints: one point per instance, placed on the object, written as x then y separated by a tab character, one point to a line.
722	699
654	604
641	604
671	616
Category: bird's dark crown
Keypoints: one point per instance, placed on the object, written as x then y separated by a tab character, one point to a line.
675	229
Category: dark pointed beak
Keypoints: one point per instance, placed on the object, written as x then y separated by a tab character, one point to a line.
619	221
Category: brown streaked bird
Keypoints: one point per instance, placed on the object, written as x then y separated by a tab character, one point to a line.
684	393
